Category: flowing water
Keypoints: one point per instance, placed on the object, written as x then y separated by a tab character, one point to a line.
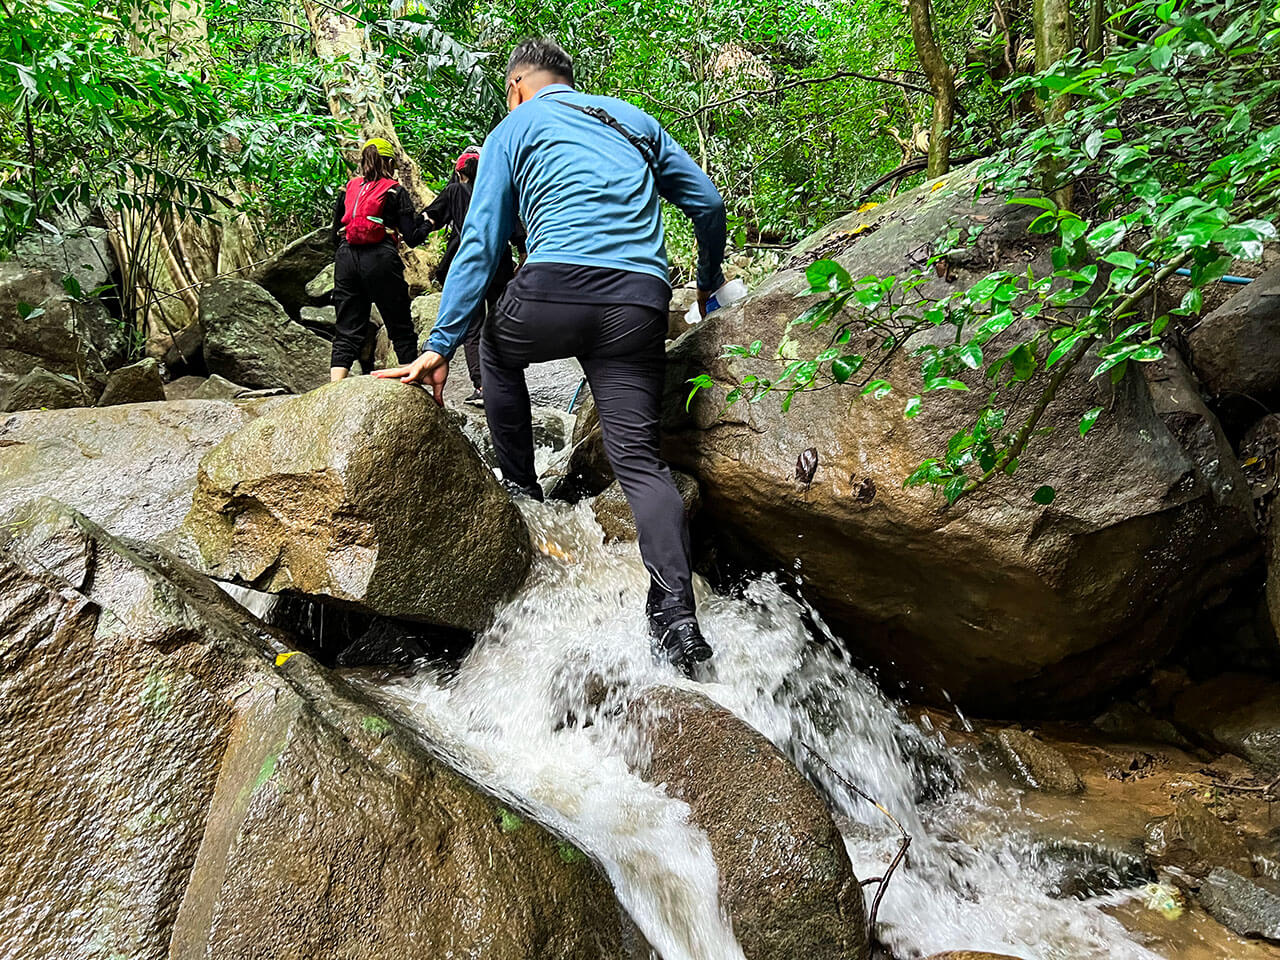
528	713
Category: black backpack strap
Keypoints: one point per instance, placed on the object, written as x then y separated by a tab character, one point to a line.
644	145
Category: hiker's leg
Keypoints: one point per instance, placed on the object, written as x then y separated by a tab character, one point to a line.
626	372
518	333
352	312
391	294
471	346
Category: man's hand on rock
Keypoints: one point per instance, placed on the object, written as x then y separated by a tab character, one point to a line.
430	370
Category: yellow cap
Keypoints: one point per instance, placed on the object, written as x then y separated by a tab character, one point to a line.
384	146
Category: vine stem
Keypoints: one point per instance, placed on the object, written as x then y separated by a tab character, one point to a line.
1023	436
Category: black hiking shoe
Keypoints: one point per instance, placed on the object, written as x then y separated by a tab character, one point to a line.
680	644
518	492
476	399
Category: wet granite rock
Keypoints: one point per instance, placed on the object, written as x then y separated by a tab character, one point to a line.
613	513
41	390
322	319
785	878
172	792
250	340
1239	713
1249	906
1152	514
1193	841
365	493
288	273
1035	764
137	383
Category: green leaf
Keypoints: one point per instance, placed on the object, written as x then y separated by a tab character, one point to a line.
842	368
1073	228
827	276
945	383
877	389
1089	419
912	409
1122	258
954	488
1107	235
1044	495
1161	57
1093	145
971	356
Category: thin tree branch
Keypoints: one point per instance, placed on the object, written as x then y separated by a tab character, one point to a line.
902	848
804	82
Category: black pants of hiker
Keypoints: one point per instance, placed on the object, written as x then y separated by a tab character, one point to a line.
471	346
364	275
622	349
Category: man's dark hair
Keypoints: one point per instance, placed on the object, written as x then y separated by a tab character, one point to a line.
539	53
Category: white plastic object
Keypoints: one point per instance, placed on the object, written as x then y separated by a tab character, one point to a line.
731	292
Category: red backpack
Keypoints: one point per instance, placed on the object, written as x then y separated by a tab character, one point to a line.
363	201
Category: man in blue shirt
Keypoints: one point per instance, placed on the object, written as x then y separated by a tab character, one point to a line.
584	174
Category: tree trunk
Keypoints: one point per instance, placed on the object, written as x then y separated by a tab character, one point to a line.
174	31
1097	17
942	81
356	92
1054	40
355	88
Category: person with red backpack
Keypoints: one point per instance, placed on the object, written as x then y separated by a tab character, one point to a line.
371	214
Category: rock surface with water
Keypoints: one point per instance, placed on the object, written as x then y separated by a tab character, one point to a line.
1034	763
250	340
173	794
998	600
365	493
130	468
1193	841
785	878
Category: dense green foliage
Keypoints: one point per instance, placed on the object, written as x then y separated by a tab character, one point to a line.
1171	147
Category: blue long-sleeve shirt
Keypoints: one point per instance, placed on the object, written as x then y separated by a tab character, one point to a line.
585	195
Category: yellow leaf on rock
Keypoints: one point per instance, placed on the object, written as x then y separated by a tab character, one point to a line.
282	657
938	186
868	206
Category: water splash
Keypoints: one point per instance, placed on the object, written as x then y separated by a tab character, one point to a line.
529	714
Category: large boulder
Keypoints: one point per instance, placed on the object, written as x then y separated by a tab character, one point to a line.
174	793
1193	841
57	332
250	340
137	383
998	601
288	272
39	389
82	252
130	468
785	878
1236	348
1239	713
363	492
614	515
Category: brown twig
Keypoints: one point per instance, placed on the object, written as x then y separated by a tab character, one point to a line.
902	848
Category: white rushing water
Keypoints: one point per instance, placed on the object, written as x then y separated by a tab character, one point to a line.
578	628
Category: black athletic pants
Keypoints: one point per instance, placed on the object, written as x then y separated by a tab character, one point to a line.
471	345
363	275
622	349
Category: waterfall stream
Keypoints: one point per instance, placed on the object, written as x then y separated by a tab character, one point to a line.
514	717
